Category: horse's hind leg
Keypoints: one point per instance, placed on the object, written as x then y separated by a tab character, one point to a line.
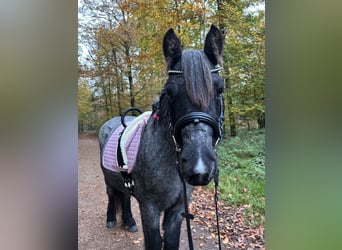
111	209
127	216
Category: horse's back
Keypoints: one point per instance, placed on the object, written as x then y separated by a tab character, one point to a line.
108	128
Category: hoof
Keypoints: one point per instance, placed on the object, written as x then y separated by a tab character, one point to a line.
111	224
131	229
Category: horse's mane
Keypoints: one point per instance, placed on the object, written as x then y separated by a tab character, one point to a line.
198	82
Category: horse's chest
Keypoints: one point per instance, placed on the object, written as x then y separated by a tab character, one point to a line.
165	190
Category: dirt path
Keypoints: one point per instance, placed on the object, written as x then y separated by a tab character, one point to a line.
92	204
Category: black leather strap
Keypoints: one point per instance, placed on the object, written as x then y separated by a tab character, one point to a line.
196	117
125	113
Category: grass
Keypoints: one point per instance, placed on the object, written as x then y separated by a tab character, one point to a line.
242	171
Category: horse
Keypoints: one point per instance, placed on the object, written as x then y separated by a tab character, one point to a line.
177	149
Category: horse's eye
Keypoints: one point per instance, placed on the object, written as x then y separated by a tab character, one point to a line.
171	90
218	85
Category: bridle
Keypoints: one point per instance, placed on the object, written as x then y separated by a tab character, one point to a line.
217	126
198	117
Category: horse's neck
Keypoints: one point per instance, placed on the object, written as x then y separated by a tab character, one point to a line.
159	134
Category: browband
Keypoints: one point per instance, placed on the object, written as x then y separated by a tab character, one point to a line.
216	69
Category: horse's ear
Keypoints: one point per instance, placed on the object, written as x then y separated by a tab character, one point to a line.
172	48
213	45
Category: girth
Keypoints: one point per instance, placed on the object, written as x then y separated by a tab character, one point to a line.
128	180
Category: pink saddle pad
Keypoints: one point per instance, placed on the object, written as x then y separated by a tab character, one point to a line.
130	142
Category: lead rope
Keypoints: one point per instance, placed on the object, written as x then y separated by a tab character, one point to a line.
189	216
216	210
186	215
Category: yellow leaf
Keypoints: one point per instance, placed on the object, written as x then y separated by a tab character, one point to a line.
128	234
225	240
136	242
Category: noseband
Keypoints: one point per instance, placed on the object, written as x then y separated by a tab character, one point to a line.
199	117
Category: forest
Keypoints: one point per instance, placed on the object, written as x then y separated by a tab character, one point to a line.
121	62
121	65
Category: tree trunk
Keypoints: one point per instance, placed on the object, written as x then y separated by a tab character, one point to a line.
118	82
261	120
130	74
260	114
231	116
105	95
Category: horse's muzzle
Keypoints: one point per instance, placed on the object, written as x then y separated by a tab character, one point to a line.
199	179
200	175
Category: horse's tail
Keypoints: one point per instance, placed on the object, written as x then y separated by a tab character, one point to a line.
118	197
115	200
115	197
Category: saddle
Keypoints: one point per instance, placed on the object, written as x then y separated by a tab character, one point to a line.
122	147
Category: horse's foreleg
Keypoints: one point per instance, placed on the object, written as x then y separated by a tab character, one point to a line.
172	226
127	216
150	220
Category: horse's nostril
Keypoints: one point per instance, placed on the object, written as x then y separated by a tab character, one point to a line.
205	177
199	179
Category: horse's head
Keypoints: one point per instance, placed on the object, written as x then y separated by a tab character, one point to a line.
193	91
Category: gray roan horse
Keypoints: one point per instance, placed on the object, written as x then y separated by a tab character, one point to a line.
177	145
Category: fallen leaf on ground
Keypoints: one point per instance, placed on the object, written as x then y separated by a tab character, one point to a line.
235	229
225	240
136	242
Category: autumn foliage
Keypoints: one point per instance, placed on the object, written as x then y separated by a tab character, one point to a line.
121	62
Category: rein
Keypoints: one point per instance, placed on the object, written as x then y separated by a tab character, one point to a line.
217	126
189	216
